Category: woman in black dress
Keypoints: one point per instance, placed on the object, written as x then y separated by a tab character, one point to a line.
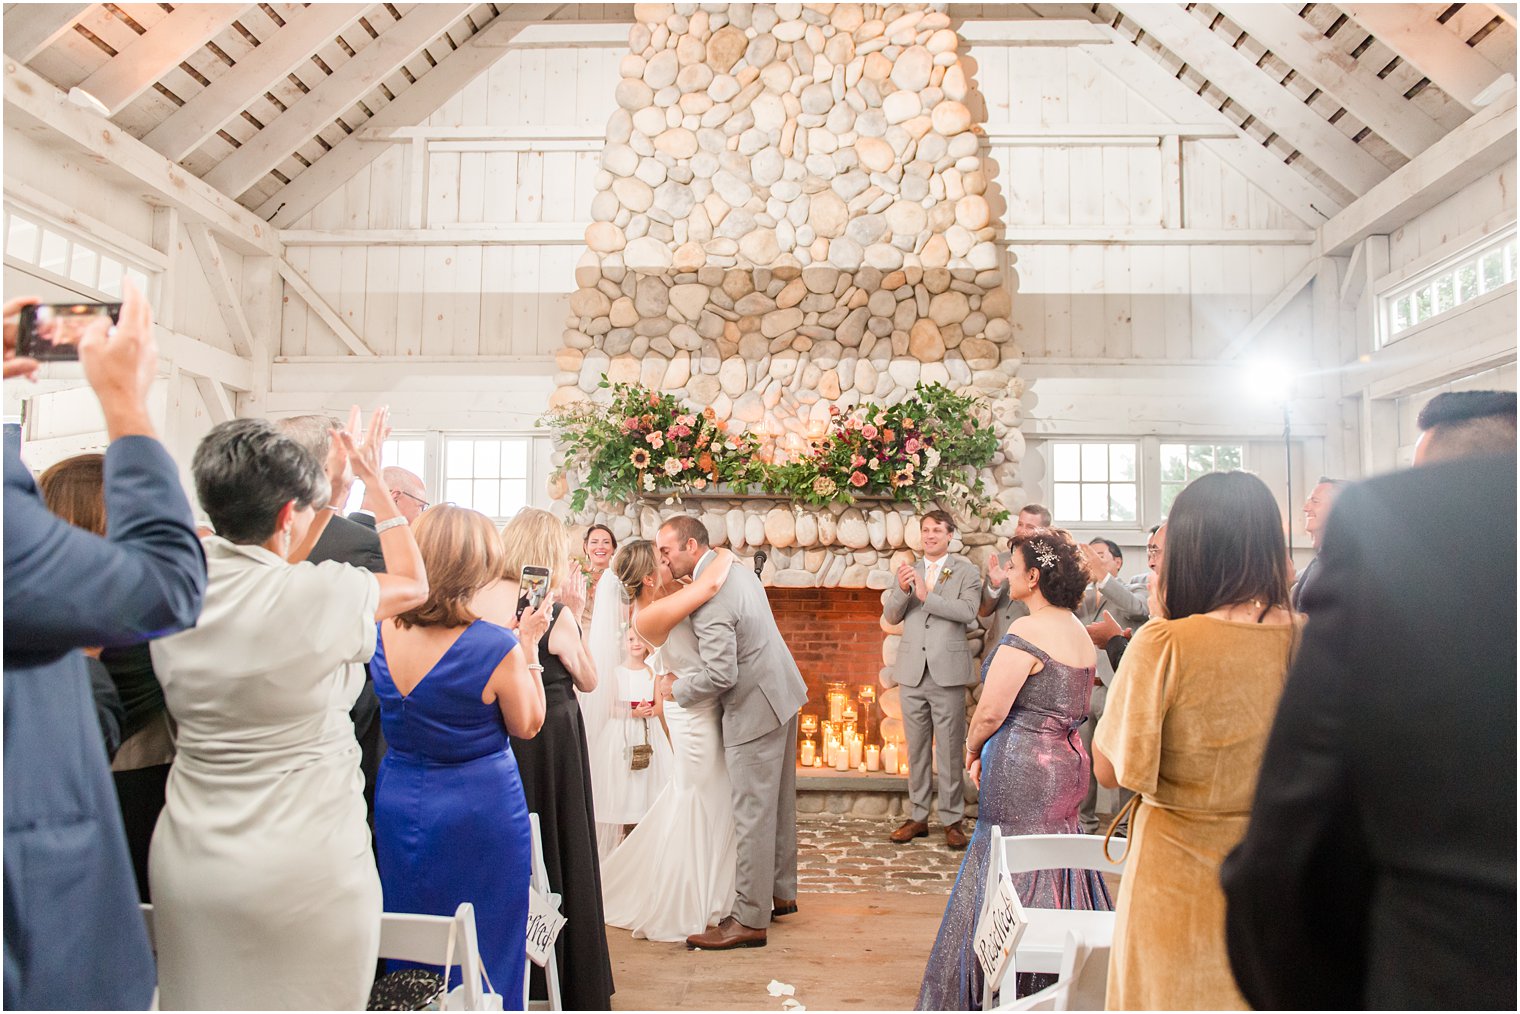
556	774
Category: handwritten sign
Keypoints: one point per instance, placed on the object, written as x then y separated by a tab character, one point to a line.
998	932
544	924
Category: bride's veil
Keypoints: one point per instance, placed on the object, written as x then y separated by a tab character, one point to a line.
611	615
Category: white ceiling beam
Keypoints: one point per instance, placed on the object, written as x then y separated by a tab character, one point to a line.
34	105
254	74
1477	147
31	28
1271	311
1251	88
309	295
1505	11
555	34
1350	82
1288	187
1034	32
163	47
214	395
223	289
1412	31
334	96
410	108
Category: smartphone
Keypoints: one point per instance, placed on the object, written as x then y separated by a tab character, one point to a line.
50	332
533	589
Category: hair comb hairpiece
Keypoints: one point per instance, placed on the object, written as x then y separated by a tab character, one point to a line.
1044	554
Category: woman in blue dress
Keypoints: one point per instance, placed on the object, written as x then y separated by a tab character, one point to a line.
451	824
1023	751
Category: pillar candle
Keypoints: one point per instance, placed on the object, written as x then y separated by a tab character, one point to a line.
902	764
809	751
841	759
873	758
855	751
889	758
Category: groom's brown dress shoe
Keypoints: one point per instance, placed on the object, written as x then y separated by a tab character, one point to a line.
910	829
780	908
955	837
725	936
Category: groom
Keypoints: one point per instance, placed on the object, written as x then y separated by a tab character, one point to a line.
746	666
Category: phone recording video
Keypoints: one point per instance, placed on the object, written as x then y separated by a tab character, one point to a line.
50	332
533	589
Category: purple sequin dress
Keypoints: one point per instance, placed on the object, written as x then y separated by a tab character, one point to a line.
1034	775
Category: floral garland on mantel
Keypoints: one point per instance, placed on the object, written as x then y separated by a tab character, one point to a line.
928	447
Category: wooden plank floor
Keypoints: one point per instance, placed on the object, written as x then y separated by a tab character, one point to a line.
863	951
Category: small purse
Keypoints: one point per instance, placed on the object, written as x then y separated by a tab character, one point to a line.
407	989
640	754
1128	809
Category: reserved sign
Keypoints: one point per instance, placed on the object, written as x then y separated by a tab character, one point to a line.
998	932
544	924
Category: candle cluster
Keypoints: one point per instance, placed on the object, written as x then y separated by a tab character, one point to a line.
842	737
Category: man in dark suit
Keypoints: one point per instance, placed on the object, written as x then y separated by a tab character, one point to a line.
1378	870
73	936
408	493
1317	507
353	543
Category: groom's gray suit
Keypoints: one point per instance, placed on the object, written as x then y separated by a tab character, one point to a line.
747	667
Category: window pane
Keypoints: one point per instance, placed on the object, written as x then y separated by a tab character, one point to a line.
1200	459
22	240
1121	460
1403	308
514	496
110	276
459	491
55	253
1095	501
1509	262
1068	501
1467	282
487	497
410	455
1173	462
1169	491
514	458
1493	270
1228	457
1094	462
458	456
487	461
82	267
1422	304
138	280
1446	293
1121	501
1067	463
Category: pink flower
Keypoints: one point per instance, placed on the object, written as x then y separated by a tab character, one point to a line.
858	479
655	440
912	445
869	432
857	461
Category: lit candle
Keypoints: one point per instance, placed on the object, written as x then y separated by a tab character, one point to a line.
902	764
817	762
841	759
873	758
855	751
809	753
889	758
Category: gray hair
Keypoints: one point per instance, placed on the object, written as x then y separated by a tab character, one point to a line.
313	432
246	470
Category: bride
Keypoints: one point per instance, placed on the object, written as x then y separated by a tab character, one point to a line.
674	874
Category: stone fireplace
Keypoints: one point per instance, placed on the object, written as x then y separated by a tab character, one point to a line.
793	212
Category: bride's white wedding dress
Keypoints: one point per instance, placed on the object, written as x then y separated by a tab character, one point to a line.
674	875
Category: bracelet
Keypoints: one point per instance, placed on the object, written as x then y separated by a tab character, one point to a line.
535	667
388	524
330	507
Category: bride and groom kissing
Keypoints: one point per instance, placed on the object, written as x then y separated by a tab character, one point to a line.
715	858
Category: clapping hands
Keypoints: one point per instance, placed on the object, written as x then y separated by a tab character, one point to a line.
997	575
1105	629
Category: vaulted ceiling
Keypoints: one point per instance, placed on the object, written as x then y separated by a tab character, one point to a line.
253	98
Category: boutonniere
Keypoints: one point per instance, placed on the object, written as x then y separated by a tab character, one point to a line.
944	573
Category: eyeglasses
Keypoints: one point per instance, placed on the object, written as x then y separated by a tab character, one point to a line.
425	504
1151	551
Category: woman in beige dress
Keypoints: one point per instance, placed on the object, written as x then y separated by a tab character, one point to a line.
1185	726
264	884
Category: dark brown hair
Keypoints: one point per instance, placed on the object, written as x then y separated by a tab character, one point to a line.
943	517
75	490
1224	546
461	554
598	527
1063	574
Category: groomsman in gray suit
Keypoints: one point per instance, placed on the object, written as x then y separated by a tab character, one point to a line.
935	600
747	667
996	602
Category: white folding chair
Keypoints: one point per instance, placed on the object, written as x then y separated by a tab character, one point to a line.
406	936
1042	942
540	883
1083	984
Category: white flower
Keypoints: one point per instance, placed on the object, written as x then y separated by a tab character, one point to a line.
874	463
672	466
648	482
931	459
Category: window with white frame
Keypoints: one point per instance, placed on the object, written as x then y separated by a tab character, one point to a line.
1095	482
408	452
33	241
1182	463
487	474
1461	279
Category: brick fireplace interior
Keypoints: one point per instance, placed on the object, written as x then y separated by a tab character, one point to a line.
835	636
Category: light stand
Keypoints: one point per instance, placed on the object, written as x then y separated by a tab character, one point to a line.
1288	468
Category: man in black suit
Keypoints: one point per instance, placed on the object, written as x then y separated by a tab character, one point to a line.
1378	870
353	543
1317	507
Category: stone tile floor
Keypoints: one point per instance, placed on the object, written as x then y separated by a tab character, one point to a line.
851	855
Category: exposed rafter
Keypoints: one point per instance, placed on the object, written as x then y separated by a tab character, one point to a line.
133	70
276	57
31	28
330	99
1357	87
1412	31
411	107
312	298
1251	88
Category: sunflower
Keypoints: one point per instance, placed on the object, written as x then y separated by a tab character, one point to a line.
639	457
